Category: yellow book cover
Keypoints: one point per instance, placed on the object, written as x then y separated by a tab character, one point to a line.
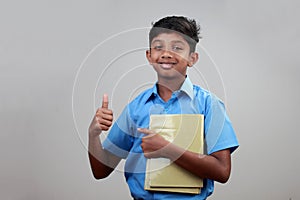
186	131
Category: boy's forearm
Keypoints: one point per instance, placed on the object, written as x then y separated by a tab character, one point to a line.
215	166
98	158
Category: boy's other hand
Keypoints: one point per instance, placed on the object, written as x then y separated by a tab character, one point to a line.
103	118
153	145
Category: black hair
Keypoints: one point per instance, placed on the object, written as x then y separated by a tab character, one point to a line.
187	28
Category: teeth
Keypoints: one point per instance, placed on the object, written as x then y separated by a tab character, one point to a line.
166	65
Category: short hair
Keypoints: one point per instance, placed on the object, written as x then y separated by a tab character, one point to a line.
187	28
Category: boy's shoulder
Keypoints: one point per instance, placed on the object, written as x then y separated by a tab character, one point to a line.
142	97
205	94
200	91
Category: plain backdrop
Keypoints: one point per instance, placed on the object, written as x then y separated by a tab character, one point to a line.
57	58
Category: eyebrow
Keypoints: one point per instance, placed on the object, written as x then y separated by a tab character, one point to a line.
174	41
178	41
156	41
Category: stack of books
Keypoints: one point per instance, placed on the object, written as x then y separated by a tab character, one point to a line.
185	131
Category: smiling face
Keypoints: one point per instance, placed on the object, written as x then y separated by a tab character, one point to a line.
170	56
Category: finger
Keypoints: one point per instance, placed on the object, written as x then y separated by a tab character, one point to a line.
107	117
105	101
106	114
104	111
104	127
145	131
105	122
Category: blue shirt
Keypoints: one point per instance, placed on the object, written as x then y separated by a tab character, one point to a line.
124	140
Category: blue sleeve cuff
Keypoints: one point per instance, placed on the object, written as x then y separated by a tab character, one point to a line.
114	149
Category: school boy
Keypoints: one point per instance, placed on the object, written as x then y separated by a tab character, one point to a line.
172	43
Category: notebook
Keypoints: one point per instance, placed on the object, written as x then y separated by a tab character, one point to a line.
186	131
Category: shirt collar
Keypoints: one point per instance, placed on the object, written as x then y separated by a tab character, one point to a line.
186	87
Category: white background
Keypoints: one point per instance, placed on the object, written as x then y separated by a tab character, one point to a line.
44	68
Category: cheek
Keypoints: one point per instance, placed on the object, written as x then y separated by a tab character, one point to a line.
154	66
184	60
152	58
182	57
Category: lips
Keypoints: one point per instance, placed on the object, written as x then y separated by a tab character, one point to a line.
166	65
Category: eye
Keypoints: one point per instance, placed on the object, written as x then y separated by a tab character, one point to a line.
158	47
177	48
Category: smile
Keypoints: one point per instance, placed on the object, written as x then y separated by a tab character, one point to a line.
166	65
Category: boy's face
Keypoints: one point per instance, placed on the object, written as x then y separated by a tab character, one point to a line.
170	55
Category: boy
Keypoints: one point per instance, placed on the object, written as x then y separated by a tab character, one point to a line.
172	50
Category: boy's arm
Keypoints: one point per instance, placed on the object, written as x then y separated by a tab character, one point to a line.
216	166
102	162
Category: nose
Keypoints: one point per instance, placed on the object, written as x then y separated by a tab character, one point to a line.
166	54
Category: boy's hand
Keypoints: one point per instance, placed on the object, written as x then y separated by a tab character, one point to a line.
153	145
102	120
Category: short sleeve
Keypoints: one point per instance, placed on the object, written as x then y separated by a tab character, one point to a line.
119	140
219	133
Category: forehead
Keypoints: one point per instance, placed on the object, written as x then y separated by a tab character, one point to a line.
169	38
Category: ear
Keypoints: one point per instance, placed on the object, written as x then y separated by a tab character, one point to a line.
193	58
148	56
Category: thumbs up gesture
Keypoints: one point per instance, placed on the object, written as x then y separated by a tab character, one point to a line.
103	118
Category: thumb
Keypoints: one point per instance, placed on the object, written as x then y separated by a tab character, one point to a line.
105	101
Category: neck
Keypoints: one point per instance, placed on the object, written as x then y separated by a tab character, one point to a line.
167	87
